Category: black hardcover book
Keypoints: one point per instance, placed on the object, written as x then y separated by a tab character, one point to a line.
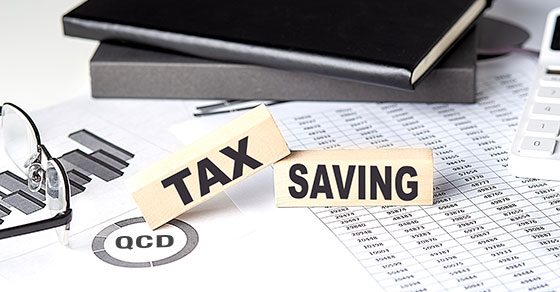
122	70
387	42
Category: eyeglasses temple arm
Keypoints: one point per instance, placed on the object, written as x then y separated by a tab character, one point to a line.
58	220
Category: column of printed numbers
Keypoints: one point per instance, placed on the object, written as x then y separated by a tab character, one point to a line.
443	253
315	132
505	256
523	212
401	277
362	128
291	139
347	223
482	184
538	233
464	220
375	248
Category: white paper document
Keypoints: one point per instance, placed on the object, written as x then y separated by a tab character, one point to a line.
132	131
487	230
102	142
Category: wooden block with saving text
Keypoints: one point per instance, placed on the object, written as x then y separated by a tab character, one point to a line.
364	177
208	166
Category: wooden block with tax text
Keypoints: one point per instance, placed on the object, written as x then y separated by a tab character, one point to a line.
363	177
208	166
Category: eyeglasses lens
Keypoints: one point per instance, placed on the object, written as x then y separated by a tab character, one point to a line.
19	138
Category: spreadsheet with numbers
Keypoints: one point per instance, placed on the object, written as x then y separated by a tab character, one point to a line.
487	230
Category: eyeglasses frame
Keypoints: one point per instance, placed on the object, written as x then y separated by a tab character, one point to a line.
62	218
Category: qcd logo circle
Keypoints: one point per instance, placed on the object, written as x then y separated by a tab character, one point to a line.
129	244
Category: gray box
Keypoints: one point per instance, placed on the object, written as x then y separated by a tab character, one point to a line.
119	70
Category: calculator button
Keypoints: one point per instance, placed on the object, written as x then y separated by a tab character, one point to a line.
544	127
553	92
534	146
550	80
547	110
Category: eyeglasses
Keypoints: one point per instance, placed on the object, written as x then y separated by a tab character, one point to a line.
45	176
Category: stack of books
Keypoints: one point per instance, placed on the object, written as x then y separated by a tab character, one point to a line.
393	50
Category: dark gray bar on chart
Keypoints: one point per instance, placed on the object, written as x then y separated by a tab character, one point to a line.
75	188
24	202
69	166
14	183
4	211
110	159
77	159
4	204
95	143
77	176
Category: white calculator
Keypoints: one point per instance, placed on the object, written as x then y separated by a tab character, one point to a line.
535	151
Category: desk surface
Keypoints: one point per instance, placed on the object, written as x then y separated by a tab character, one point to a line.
40	75
41	67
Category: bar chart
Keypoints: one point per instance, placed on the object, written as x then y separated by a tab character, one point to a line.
106	161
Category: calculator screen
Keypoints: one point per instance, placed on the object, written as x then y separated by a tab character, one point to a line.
556	35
